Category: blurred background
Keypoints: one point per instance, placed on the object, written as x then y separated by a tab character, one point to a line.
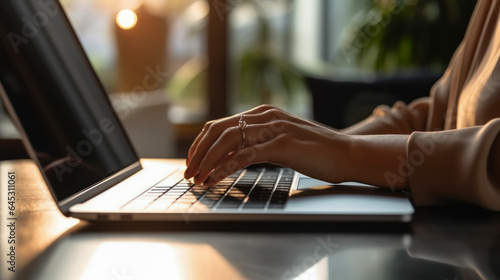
171	65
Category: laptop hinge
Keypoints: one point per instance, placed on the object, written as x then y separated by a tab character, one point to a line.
98	187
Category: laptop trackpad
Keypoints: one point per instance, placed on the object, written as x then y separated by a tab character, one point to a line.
310	183
315	196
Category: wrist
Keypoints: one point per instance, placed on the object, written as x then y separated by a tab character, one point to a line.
349	157
342	162
369	159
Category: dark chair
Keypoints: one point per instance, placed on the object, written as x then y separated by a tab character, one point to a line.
340	104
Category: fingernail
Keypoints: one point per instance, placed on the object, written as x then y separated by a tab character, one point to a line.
197	181
187	172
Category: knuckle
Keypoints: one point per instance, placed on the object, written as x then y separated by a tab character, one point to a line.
214	127
276	113
282	124
208	125
267	107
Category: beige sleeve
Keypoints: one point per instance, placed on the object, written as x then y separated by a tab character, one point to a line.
455	165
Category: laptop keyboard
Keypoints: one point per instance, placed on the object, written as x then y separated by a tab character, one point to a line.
246	189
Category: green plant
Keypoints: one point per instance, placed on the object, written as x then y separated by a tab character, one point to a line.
398	34
263	72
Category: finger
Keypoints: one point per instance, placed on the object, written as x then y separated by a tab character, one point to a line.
231	139
229	142
268	152
215	129
224	123
197	141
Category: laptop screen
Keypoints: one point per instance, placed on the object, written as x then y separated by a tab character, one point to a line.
58	99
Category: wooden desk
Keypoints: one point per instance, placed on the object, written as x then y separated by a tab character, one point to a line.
441	243
39	222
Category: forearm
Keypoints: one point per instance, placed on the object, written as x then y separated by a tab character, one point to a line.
368	126
400	119
378	160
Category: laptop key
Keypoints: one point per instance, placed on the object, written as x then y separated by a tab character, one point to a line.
278	200
254	204
276	204
230	202
205	203
159	192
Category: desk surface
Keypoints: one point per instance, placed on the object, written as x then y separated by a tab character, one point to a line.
441	243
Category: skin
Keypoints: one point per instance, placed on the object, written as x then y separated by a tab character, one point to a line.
275	136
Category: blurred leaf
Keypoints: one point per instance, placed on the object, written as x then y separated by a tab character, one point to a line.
399	38
262	72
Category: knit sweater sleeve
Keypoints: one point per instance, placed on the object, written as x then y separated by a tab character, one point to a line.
460	164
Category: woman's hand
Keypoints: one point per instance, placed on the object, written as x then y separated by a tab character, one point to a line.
271	136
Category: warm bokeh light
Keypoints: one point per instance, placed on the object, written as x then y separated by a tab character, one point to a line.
126	19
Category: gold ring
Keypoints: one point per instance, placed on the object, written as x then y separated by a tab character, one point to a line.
242	124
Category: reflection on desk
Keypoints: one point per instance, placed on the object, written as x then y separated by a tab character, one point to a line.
441	243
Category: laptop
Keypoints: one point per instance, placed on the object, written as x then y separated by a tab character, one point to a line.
89	164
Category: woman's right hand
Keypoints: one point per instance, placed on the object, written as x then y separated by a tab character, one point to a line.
271	136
